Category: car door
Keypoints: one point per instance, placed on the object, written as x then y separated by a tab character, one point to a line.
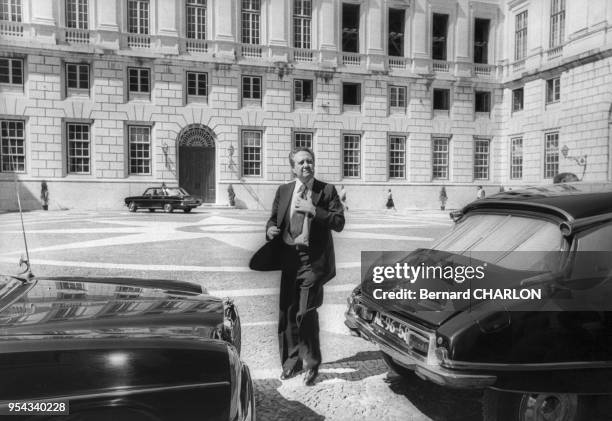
146	199
158	199
590	283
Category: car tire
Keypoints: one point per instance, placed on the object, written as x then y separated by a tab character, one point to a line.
168	208
187	210
400	370
151	210
132	207
508	406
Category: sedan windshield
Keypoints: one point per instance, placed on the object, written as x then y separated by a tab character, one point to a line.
509	241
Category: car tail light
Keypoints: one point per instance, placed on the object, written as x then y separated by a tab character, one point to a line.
242	406
441	354
235	379
364	312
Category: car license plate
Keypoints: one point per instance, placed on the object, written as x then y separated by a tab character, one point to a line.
396	328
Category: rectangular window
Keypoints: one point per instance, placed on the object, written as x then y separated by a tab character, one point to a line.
557	23
251	87
351	96
197	84
482	102
139	139
138	17
351	155
302	23
350	28
302	139
139	80
10	10
11	71
78	148
517	99
251	152
441	99
520	36
196	19
302	89
77	76
395	44
440	158
397	97
439	34
77	14
553	90
516	158
251	11
551	155
481	159
397	157
12	148
481	41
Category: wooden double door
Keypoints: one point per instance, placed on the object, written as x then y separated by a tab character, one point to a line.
197	171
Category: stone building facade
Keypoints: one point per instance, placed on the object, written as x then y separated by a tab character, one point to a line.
101	99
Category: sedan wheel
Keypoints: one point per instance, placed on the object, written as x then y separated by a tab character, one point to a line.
132	207
187	210
505	406
168	208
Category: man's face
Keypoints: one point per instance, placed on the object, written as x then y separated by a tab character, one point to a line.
303	166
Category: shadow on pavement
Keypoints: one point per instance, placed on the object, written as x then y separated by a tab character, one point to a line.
271	405
437	402
355	368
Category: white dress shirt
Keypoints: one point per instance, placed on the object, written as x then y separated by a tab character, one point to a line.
303	237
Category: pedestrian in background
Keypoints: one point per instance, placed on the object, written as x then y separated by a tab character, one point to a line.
390	204
44	195
480	193
304	213
443	198
343	197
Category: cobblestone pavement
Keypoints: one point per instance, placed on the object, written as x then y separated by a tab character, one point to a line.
212	248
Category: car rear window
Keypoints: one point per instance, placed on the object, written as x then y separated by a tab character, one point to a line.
173	191
504	240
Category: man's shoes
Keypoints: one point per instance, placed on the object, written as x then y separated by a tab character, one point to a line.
289	373
310	376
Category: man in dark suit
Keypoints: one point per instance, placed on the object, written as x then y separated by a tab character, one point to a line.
300	243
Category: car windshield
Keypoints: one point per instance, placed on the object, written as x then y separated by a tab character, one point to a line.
510	241
176	191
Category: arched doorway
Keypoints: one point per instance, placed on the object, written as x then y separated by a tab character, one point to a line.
196	158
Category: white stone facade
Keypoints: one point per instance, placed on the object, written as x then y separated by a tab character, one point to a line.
46	105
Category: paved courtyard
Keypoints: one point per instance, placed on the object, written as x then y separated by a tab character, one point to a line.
212	247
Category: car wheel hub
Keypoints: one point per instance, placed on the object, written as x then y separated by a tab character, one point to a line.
548	407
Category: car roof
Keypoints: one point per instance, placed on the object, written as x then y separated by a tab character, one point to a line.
571	201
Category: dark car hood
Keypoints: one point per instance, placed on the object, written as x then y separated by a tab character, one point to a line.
436	312
102	307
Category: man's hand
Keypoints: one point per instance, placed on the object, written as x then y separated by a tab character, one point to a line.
305	206
272	232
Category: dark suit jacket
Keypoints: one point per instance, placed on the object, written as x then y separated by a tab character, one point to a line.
329	216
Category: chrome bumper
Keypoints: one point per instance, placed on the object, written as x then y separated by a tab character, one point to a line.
421	366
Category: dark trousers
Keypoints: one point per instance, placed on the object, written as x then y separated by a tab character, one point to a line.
298	321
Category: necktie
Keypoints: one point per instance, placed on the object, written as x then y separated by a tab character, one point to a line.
297	219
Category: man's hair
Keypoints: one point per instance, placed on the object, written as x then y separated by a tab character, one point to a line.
300	149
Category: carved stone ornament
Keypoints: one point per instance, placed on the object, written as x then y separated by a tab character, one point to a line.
197	135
